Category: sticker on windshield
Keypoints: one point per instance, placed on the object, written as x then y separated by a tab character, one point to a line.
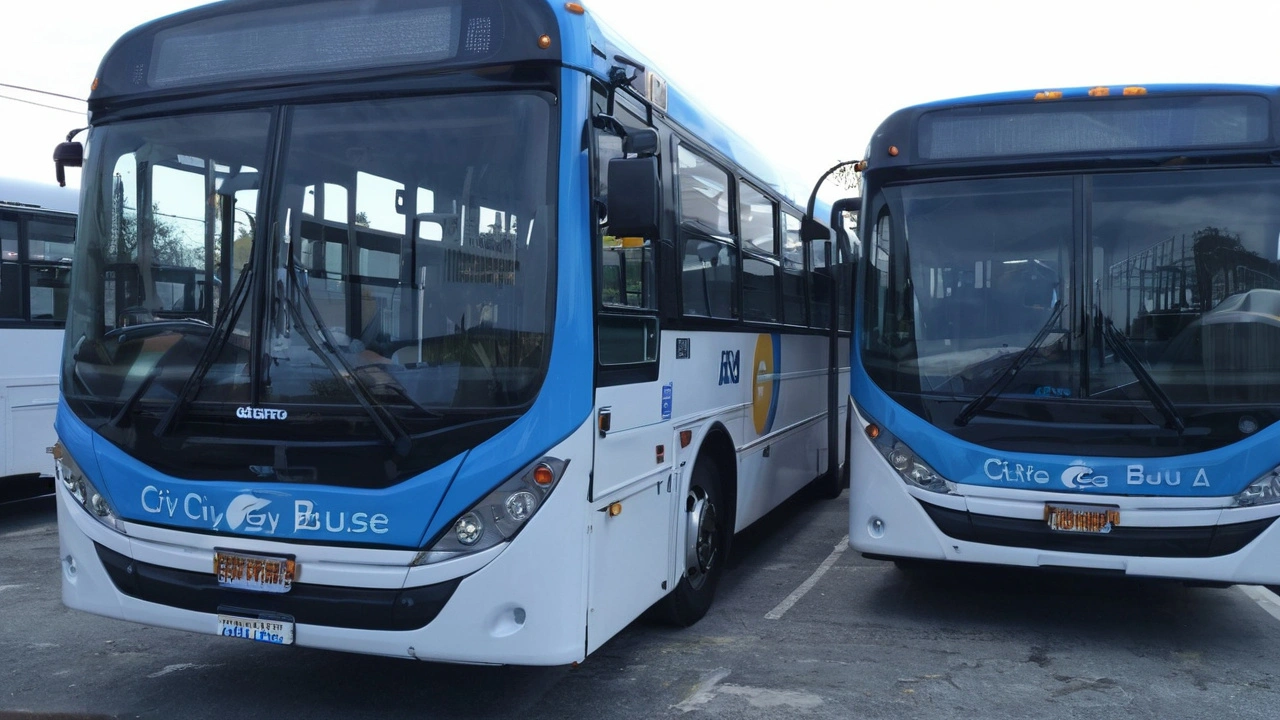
253	413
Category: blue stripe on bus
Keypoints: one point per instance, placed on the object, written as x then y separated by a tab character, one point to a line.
1220	472
410	513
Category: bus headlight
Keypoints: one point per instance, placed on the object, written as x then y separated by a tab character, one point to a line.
500	515
909	466
1263	491
70	477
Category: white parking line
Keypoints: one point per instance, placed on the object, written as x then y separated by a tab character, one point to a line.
1266	599
807	585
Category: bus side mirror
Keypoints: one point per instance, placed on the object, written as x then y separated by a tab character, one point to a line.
640	141
811	230
634	197
67	154
842	210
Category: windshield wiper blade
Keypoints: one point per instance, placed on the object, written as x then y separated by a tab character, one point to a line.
400	392
152	374
1155	393
221	334
327	351
993	390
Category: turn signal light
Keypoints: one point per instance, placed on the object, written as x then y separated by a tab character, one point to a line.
544	475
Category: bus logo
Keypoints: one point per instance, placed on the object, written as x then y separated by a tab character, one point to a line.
1079	476
765	386
730	366
253	413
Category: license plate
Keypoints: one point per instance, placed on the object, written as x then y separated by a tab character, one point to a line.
277	632
1082	518
261	573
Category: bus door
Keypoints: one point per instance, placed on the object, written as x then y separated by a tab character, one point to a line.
633	489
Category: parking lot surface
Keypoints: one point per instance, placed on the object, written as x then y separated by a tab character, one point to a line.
802	627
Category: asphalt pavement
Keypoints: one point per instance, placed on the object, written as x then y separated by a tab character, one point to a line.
802	627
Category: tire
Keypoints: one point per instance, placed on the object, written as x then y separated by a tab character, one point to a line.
705	550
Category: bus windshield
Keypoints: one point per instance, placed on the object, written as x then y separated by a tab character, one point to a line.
400	258
1178	269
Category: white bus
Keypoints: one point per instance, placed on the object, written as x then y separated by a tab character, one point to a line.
506	337
37	232
1068	333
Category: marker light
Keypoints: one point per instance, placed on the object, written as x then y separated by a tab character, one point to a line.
1049	95
1131	91
499	516
893	151
873	431
544	42
544	475
575	8
1100	92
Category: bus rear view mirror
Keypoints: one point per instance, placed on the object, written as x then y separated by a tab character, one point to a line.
67	154
844	215
811	230
633	197
640	141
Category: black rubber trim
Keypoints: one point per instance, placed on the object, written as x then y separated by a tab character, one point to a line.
1170	542
354	608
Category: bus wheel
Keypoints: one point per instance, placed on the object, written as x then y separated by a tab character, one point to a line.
704	548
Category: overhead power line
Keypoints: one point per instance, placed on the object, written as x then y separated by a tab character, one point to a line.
41	92
51	107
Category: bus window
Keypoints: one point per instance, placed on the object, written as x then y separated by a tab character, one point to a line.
793	272
760	268
709	269
10	272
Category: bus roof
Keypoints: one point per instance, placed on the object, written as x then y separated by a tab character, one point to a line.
29	195
597	57
1100	121
1043	94
198	48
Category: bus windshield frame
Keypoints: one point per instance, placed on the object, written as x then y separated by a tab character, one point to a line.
1170	280
404	281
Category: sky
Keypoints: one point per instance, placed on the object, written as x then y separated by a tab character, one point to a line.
806	81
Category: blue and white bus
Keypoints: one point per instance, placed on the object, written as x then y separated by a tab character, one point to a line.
37	231
442	329
1067	345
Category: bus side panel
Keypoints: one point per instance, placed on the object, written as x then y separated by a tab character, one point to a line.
785	433
29	400
631	561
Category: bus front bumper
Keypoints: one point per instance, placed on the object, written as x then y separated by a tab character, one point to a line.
508	605
1164	538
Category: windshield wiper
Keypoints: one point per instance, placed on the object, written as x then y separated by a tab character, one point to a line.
327	351
221	334
127	407
399	392
993	390
1157	395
